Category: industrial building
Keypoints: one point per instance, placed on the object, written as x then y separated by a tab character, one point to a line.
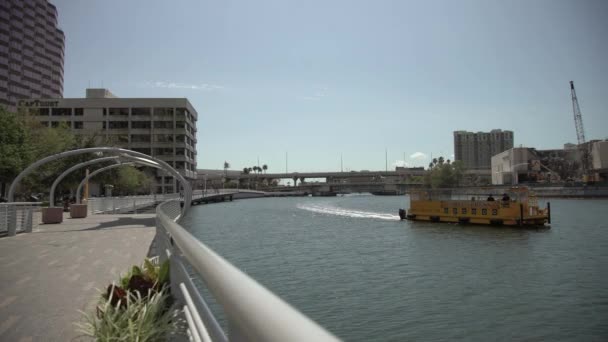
31	52
164	128
528	165
475	150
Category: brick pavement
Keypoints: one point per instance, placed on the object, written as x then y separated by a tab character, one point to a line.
48	275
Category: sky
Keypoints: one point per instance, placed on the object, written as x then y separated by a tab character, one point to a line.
323	80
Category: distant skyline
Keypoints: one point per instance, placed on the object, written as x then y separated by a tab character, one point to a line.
321	79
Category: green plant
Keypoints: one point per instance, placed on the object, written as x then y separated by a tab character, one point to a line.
133	318
156	276
138	309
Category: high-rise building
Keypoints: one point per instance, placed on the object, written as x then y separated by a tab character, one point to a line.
476	149
164	128
31	51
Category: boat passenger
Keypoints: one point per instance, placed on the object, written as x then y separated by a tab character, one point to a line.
490	198
505	197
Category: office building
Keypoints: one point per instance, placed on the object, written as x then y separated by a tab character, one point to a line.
31	52
475	150
164	128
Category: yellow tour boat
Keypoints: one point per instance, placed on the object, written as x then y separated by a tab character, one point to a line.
516	207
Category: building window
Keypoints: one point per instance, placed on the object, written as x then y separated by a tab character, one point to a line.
62	112
163	151
484	211
163	138
494	212
119	111
181	113
43	111
140	138
78	111
163	112
140	124
140	111
142	150
180	124
455	211
464	211
163	124
105	111
119	124
474	211
54	124
78	125
446	210
180	138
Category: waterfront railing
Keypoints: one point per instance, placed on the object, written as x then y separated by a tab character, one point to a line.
16	217
253	313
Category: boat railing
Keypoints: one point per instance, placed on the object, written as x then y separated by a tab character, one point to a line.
252	312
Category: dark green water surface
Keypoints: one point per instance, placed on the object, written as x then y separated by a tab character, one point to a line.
352	266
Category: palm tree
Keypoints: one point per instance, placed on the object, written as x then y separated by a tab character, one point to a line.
440	160
245	171
434	161
264	167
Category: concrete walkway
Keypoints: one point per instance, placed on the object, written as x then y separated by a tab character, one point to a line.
48	275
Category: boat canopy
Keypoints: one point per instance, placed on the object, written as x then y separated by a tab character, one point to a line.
519	194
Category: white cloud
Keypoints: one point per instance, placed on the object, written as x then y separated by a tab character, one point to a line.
178	85
418	156
400	163
319	93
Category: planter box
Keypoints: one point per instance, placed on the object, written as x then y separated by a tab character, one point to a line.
78	210
52	215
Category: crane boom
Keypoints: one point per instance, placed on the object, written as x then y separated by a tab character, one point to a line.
578	117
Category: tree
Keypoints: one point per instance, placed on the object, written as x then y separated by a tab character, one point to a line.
131	181
15	153
444	175
264	167
245	170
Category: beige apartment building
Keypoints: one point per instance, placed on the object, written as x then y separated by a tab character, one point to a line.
475	150
164	128
31	51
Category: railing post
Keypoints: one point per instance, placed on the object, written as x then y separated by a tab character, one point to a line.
134	206
11	215
28	220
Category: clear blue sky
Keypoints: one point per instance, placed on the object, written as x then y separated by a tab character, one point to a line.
321	78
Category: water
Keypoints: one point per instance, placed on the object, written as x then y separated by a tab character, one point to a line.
351	265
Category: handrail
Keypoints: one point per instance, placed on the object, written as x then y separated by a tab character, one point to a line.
254	313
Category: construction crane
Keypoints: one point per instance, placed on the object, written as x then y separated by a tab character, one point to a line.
578	117
580	133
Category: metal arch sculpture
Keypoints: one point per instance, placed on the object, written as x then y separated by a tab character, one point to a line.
105	168
73	168
113	150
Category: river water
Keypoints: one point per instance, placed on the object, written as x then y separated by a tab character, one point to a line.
352	266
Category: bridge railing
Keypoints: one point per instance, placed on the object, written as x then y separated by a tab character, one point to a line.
253	313
19	216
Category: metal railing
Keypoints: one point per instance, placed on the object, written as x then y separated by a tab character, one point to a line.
253	313
126	204
19	217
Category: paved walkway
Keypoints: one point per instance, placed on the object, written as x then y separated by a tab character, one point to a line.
48	275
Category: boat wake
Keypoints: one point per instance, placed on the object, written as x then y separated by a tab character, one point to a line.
348	212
